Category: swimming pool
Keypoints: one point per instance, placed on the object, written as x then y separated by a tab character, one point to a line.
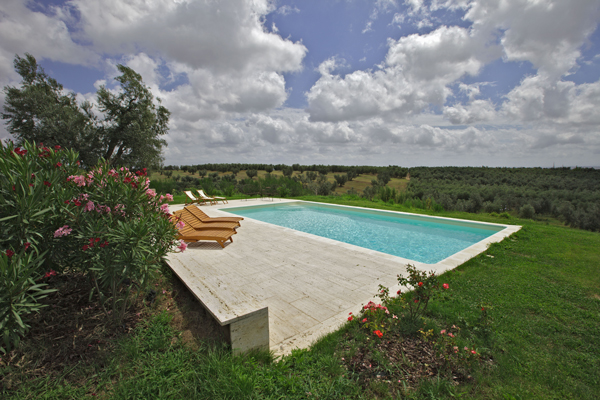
414	237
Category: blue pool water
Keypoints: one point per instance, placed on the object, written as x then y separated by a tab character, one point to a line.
418	238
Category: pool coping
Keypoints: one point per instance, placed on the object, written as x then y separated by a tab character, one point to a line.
264	286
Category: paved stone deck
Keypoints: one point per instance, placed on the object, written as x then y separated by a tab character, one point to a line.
308	283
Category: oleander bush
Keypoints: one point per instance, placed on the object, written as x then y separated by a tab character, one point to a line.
54	216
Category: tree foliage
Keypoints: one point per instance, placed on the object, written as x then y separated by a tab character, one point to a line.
40	111
128	134
133	124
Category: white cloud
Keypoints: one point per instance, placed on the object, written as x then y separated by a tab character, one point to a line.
222	37
476	112
41	34
287	10
416	74
547	33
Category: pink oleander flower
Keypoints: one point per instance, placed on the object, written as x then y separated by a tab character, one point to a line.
62	231
165	208
473	351
466	348
89	206
78	179
450	334
180	225
364	320
151	192
394	316
182	246
443	331
169	197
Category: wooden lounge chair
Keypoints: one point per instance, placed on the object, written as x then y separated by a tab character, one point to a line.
205	218
193	199
189	234
190	219
216	198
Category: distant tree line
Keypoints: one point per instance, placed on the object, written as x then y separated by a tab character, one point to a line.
392	170
572	195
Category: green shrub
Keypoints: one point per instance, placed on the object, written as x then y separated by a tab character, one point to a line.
19	293
527	211
119	233
32	195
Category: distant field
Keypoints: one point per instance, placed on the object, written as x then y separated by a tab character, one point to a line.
359	183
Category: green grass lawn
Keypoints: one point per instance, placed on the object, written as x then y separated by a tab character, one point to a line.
541	340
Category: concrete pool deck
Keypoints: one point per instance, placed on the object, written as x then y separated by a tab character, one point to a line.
284	288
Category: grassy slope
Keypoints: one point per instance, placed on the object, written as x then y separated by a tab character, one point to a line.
542	287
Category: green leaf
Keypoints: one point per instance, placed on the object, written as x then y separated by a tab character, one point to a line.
7	218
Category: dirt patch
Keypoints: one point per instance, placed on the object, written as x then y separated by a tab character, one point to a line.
400	364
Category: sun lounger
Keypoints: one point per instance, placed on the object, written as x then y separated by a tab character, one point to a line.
190	219
194	200
216	198
201	215
189	234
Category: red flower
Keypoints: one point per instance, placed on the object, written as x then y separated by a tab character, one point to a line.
445	286
58	165
47	183
350	318
399	291
20	151
378	333
67	201
78	163
77	202
10	253
482	308
364	320
420	284
57	147
31	184
14	188
85	247
104	244
416	300
49	274
26	245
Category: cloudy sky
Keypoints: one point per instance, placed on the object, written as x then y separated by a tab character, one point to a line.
375	82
